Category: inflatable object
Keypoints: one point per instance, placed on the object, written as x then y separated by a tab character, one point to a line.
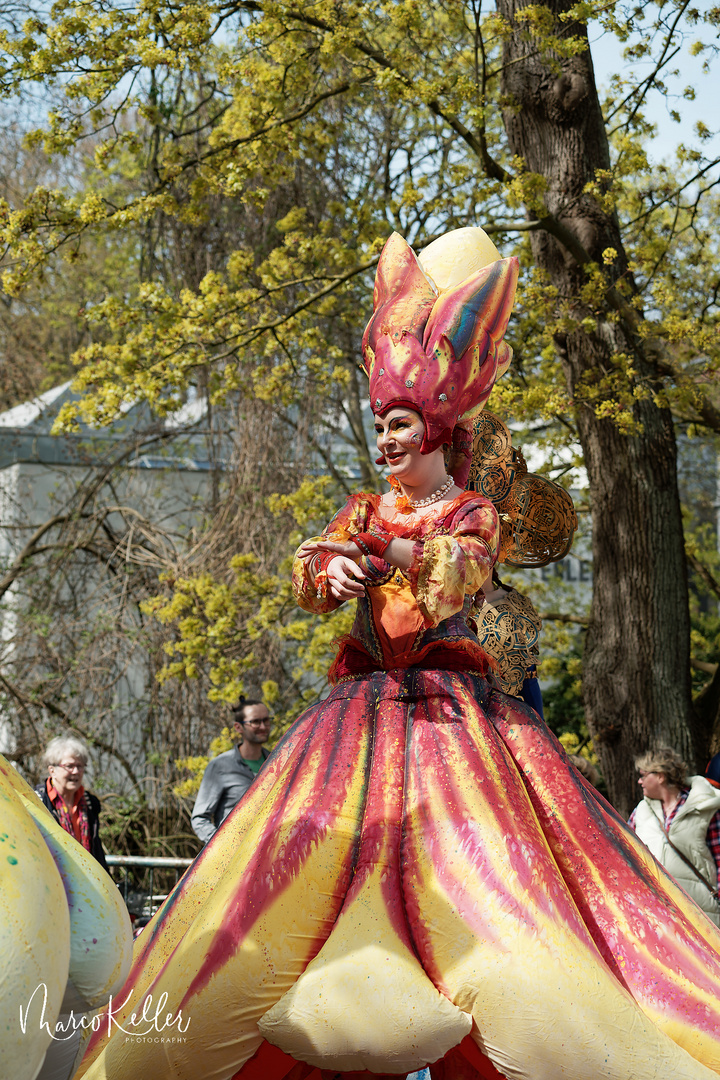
66	936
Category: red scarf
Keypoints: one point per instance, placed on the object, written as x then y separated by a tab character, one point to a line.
76	820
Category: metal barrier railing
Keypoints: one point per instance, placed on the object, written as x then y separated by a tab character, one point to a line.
149	862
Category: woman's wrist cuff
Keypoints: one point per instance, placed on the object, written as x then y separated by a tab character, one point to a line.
372	543
317	566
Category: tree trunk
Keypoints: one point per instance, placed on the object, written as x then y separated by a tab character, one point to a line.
636	665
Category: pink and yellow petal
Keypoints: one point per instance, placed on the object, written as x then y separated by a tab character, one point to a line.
493	921
364	1002
658	943
34	936
265	917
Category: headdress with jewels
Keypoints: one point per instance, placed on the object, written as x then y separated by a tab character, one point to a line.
435	340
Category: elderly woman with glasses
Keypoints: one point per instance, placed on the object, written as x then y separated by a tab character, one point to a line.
679	820
77	810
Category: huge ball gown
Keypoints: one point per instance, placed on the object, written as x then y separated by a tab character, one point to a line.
418	876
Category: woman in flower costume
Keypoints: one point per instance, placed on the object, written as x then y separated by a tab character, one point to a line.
418	876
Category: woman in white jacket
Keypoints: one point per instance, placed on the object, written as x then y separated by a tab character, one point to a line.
679	821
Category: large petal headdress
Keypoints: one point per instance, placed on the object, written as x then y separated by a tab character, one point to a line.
435	339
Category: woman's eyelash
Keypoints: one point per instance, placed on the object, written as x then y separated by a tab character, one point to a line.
395	425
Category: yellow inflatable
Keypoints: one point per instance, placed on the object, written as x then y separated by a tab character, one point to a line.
65	936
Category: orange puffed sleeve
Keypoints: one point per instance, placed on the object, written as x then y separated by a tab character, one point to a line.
454	562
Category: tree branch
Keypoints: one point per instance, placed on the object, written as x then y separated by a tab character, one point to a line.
27	700
284	121
557	616
702	571
337	476
33	547
704	666
493	169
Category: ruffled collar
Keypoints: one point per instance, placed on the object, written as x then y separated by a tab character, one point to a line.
398	521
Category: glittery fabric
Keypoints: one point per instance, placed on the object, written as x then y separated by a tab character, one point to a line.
454	550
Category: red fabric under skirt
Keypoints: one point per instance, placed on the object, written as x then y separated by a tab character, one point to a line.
464	655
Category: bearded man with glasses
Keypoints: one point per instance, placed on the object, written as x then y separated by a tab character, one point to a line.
229	775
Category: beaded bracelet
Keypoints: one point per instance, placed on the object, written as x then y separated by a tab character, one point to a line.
317	567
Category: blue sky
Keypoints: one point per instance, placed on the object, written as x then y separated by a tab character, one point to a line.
608	60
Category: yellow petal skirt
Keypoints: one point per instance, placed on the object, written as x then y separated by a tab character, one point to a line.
419	877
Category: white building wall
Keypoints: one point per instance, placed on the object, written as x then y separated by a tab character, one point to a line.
31	494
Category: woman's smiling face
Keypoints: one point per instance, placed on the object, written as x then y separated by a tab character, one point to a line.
399	436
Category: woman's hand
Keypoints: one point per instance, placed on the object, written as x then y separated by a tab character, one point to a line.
345	578
342	547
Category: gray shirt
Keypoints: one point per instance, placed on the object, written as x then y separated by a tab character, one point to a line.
225	781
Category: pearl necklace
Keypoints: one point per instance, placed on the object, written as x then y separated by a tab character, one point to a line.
431	498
